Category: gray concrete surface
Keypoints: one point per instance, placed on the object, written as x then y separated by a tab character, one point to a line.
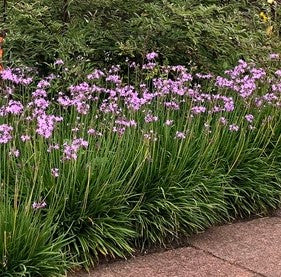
243	249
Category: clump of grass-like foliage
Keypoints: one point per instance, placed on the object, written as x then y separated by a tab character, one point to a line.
112	162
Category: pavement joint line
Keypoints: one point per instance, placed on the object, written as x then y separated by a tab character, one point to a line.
227	261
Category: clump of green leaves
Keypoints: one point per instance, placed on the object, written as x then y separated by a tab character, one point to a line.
28	246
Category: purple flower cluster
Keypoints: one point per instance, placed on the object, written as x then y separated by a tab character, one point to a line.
70	149
180	135
89	111
233	128
15	76
5	133
46	124
55	172
242	79
39	205
151	56
14	152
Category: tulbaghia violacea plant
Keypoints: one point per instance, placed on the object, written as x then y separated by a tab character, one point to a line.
152	155
107	105
120	106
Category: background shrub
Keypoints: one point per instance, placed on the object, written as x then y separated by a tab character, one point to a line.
211	35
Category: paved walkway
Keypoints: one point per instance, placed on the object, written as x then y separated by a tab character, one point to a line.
244	249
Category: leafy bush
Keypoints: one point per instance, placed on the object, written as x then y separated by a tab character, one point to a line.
211	35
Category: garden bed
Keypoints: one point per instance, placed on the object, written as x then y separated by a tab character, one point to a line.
116	162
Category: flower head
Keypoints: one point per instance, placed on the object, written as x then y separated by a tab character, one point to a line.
274	56
180	135
58	62
39	205
5	133
233	128
55	172
151	56
249	118
14	152
169	122
223	120
25	138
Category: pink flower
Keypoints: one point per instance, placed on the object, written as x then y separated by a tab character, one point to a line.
113	78
14	107
46	124
39	93
39	205
58	62
70	149
91	131
169	122
249	118
43	84
65	101
228	104
55	172
94	132
278	72
17	78
14	152
82	107
97	74
223	121
151	56
126	122
172	105
233	128
274	56
53	147
25	138
149	66
198	109
119	130
150	136
180	135
5	133
41	103
150	118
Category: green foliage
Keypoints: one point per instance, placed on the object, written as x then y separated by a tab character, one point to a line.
27	245
128	192
211	35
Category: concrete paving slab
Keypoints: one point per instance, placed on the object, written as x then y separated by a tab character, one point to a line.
255	244
181	262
